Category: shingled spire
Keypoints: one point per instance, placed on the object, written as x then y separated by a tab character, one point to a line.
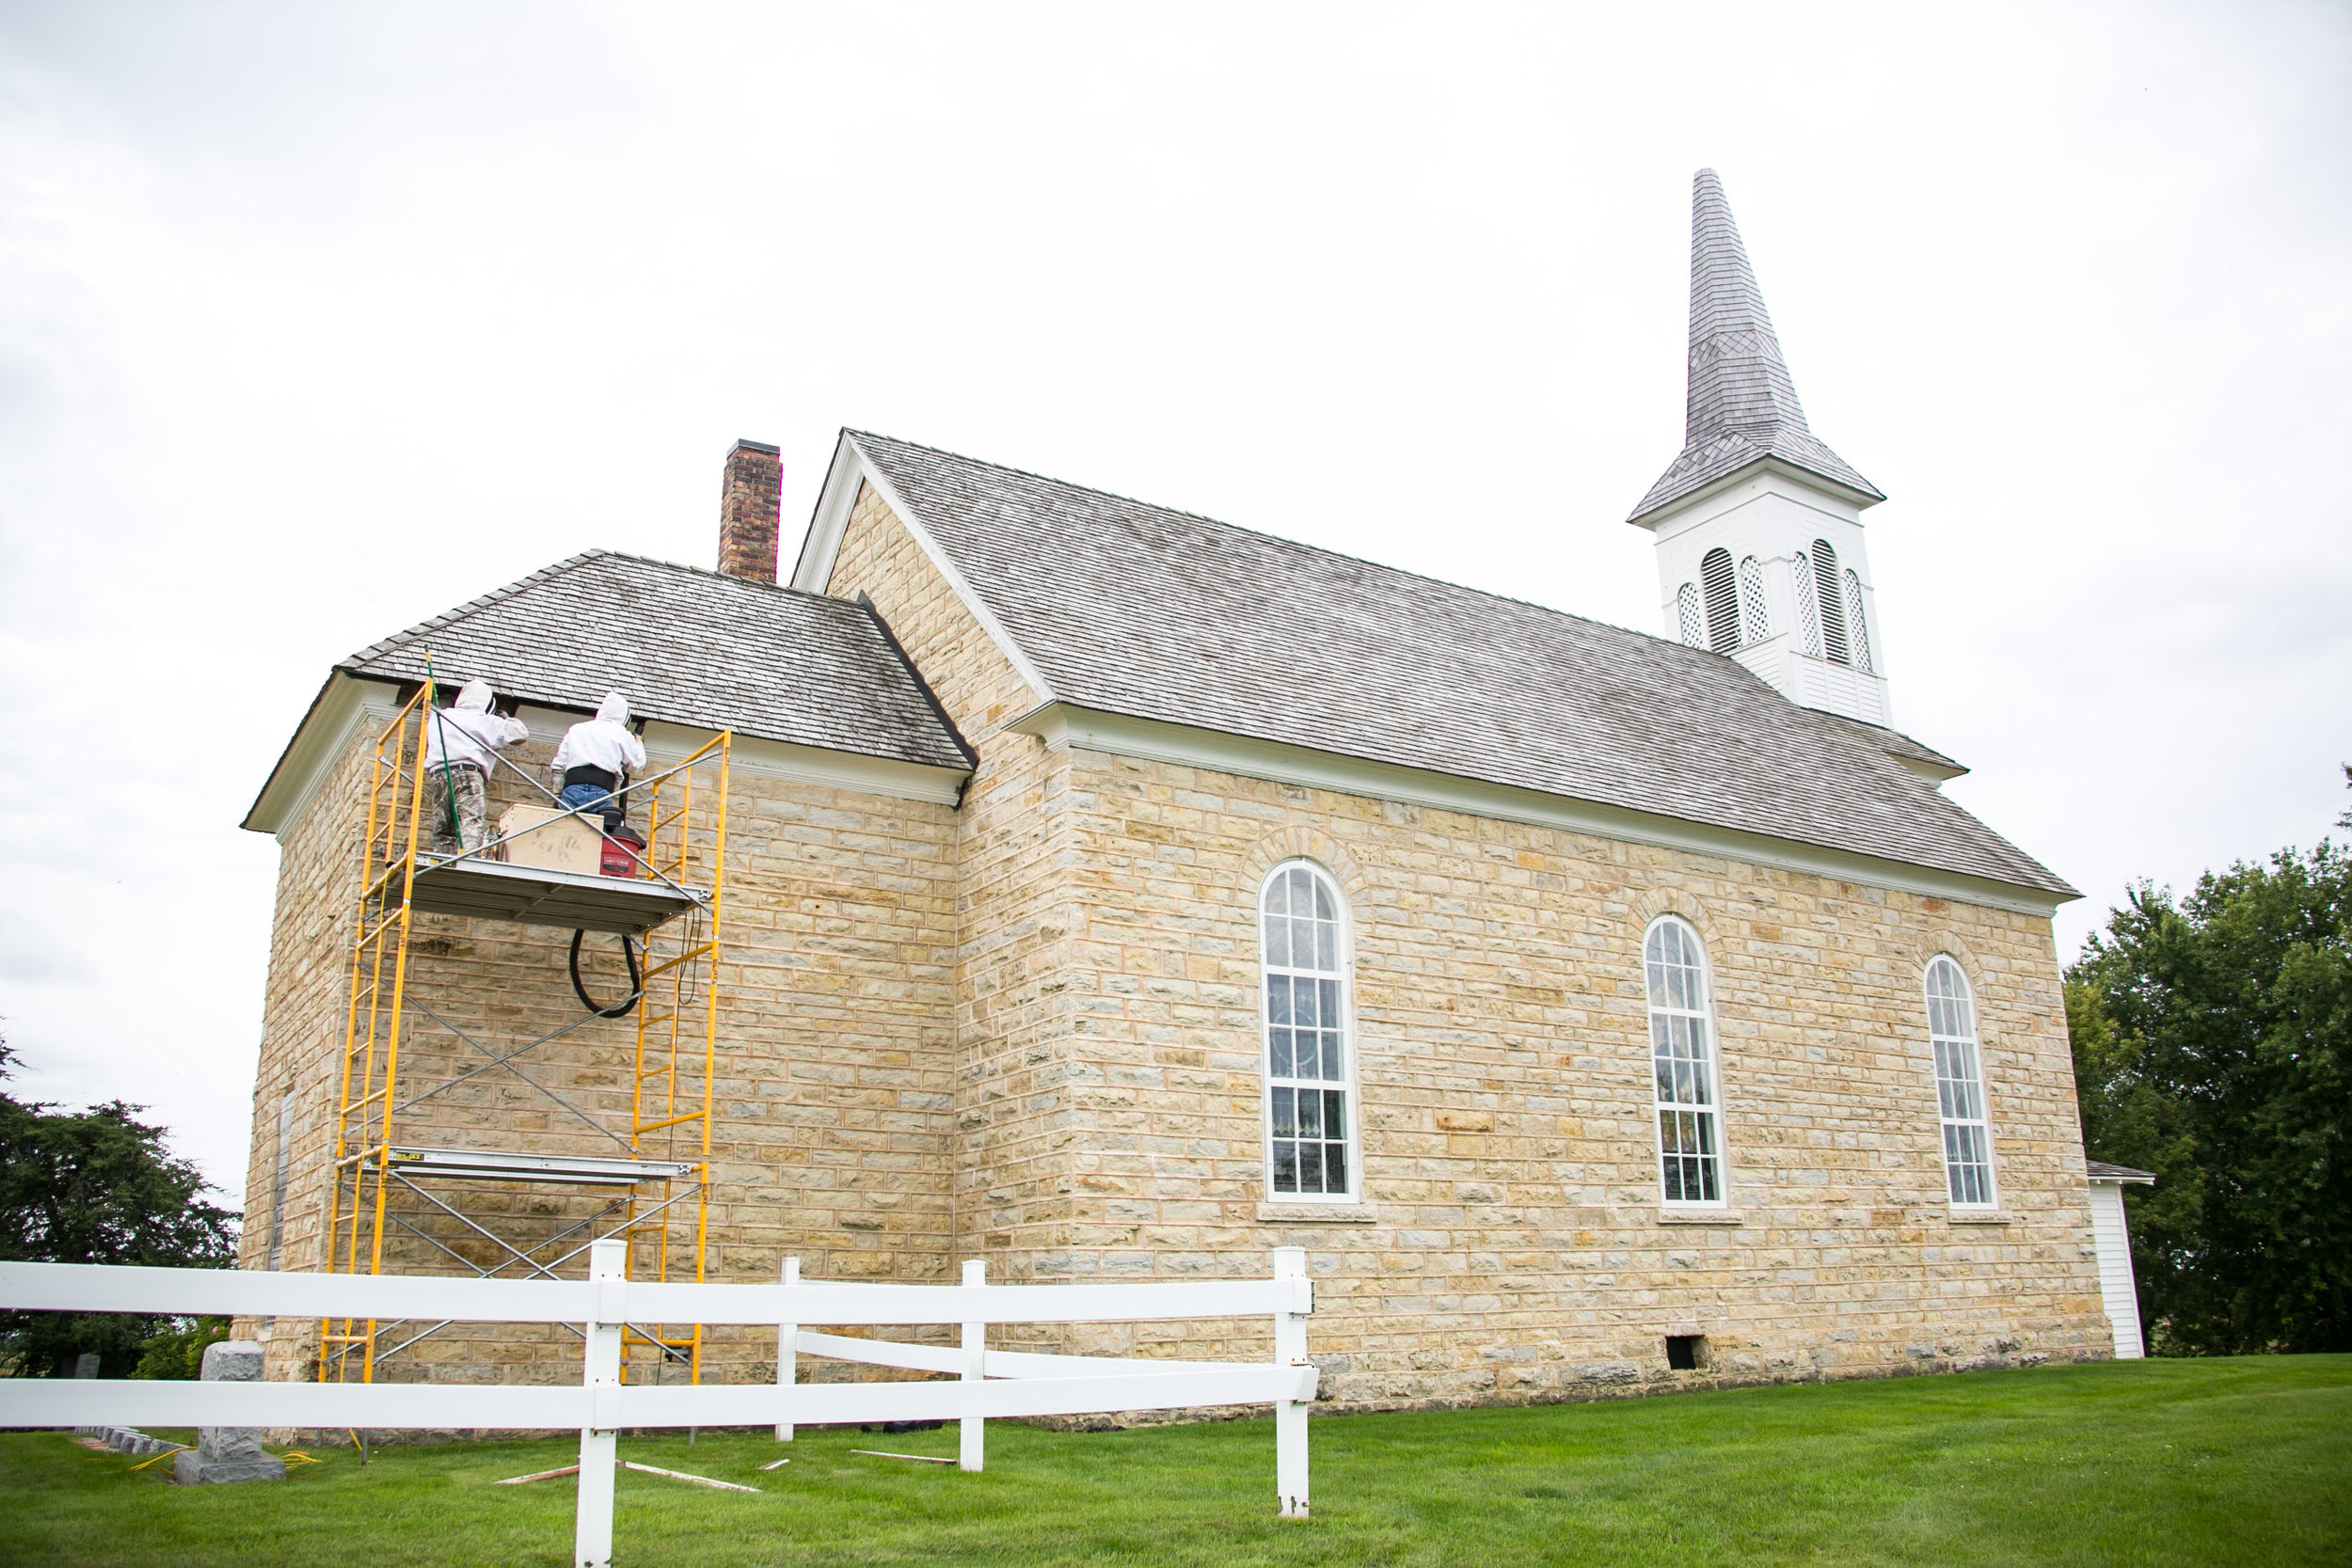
1741	406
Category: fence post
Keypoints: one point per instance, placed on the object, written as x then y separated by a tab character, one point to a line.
787	1356
592	1523
970	1438
1290	1417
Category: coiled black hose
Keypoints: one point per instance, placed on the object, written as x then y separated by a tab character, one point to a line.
626	1004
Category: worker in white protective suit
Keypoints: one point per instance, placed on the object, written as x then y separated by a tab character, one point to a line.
459	742
596	759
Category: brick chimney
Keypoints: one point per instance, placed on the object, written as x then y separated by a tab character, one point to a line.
748	508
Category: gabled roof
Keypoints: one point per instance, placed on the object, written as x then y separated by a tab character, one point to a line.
1741	406
2101	1171
688	646
1136	610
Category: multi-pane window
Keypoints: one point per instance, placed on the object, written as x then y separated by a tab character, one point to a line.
1959	1086
1304	961
1682	1062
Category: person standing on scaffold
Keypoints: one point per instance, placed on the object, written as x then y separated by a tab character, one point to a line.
458	745
594	761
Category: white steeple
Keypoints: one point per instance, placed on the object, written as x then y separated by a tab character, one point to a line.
1758	524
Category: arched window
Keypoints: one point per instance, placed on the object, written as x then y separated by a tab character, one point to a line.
1688	615
1808	618
1857	623
1755	621
1959	1086
1722	601
1682	1062
1303	958
1832	609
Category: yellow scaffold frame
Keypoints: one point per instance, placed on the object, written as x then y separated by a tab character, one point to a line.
363	1171
663	1032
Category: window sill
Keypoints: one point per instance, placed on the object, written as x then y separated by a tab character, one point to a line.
1977	1219
1699	1216
1317	1213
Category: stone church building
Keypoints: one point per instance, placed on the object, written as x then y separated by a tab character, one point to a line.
1115	893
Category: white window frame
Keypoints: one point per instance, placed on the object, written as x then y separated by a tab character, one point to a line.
1713	1109
1965	1048
1345	1084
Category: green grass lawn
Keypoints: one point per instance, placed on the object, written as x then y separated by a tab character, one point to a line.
2145	1463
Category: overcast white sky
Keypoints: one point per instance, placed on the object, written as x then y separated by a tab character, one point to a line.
315	321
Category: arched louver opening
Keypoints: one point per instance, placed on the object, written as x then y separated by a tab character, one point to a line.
1833	607
1722	601
1808	618
1756	622
1857	623
1687	612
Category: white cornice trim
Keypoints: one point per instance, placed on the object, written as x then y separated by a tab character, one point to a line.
834	504
667	744
348	705
345	705
1854	501
1061	725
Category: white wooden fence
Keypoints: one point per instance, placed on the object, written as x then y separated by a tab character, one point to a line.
989	1383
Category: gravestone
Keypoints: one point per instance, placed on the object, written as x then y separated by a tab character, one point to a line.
228	1453
86	1364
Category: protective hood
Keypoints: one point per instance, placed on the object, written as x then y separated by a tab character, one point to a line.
474	697
613	709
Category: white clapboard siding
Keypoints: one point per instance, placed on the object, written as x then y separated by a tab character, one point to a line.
2115	1267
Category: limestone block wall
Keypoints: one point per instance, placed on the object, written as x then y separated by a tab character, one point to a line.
834	1090
302	1026
1513	1244
1016	1111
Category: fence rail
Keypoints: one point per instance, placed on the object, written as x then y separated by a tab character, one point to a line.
988	1383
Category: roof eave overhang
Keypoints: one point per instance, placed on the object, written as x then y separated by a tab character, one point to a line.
350	699
1063	724
1651	517
326	730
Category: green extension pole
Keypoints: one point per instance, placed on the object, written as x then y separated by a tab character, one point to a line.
456	828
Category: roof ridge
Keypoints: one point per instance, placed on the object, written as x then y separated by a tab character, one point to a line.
472	607
1295	544
722	576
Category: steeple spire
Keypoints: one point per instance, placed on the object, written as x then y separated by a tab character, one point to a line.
1742	407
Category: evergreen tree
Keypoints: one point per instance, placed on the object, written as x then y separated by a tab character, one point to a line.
99	1186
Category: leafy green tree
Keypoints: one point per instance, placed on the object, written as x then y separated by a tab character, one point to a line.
99	1186
2212	1039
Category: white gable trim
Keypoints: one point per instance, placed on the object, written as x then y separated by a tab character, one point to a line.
1061	725
819	551
344	707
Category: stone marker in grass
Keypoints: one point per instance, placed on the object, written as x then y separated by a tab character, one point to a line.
228	1453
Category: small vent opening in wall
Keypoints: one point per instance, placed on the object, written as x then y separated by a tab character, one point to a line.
1686	1353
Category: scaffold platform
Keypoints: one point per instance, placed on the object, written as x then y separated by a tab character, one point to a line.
571	1170
537	895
